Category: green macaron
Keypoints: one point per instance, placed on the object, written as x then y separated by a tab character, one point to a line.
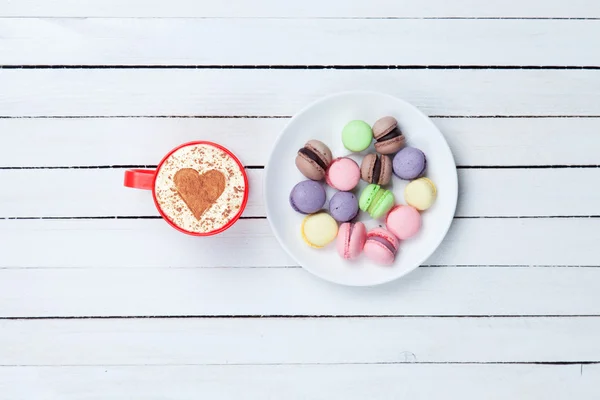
376	201
357	135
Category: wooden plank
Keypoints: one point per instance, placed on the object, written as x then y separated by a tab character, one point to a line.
305	9
134	141
260	341
149	291
144	141
469	242
129	41
492	382
265	92
129	239
482	192
67	193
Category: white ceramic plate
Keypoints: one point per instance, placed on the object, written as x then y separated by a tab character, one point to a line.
324	120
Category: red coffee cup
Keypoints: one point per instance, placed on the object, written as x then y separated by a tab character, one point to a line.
199	188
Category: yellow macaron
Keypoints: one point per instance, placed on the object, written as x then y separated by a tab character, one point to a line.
318	230
420	193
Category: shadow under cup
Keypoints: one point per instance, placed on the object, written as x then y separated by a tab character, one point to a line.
200	188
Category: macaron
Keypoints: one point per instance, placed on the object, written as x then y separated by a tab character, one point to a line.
318	230
388	137
343	174
376	200
409	163
351	240
357	135
313	159
308	197
376	169
381	246
403	221
420	193
343	206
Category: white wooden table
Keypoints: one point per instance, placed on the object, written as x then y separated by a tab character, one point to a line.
100	299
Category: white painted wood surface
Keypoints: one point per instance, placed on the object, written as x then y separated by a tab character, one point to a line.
261	341
142	141
379	381
532	193
127	41
268	92
99	298
500	241
128	291
305	9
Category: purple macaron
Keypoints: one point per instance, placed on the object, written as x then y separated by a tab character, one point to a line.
409	163
343	206
308	197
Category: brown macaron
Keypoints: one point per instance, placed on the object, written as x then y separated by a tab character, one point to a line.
388	137
376	169
313	159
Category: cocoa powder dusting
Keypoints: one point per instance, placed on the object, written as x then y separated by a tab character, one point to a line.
187	202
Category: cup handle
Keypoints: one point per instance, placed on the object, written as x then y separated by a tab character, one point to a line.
140	178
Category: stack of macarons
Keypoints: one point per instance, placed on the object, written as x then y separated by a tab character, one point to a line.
320	227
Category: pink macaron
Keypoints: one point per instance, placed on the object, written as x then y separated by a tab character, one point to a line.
351	239
403	221
343	174
381	246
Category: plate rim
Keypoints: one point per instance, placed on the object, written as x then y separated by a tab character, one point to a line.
266	175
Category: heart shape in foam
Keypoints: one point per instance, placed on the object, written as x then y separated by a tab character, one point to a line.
199	192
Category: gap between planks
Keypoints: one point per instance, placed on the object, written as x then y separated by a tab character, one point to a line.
496	116
555	363
305	67
299	267
129	217
488	18
319	316
551	166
